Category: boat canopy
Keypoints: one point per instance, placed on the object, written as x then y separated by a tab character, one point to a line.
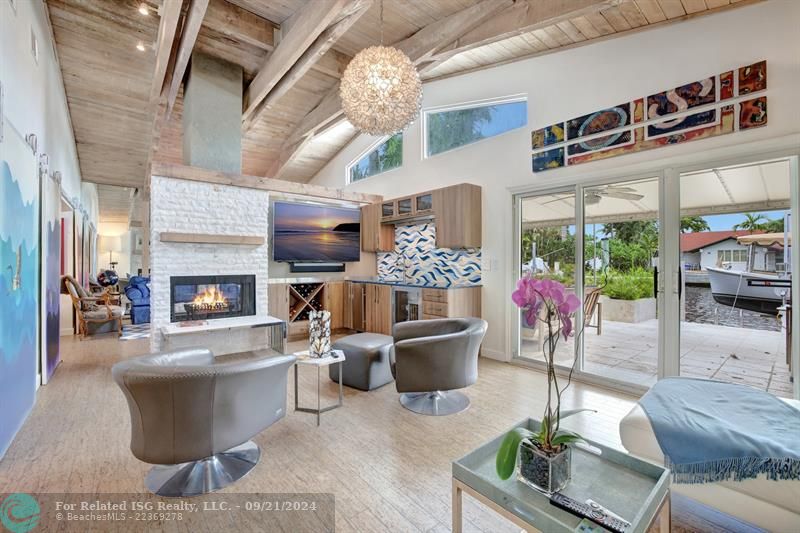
763	239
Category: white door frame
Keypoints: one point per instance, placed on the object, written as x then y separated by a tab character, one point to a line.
669	254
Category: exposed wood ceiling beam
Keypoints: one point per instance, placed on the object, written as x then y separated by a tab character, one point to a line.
191	27
257	182
523	17
304	27
167	29
418	47
323	43
239	24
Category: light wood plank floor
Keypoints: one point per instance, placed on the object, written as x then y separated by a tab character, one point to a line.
388	468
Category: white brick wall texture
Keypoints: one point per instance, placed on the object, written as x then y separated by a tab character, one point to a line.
194	207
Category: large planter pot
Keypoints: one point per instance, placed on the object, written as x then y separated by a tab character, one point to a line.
544	472
630	311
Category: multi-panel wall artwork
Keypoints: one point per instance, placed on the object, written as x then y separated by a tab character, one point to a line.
723	103
417	259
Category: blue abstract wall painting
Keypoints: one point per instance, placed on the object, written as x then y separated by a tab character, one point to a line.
51	244
416	254
19	284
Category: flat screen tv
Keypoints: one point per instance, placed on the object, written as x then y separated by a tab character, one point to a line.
315	233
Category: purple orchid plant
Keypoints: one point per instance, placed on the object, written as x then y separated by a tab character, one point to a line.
546	301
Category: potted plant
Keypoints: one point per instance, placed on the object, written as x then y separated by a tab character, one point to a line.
544	456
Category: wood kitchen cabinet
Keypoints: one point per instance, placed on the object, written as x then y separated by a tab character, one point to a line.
375	237
451	303
378	308
354	306
334	302
458	216
278	300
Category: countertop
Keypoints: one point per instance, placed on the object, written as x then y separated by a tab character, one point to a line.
377	281
415	284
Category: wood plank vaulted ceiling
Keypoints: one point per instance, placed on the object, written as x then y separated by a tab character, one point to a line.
126	105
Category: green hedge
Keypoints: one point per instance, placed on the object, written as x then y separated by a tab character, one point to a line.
631	285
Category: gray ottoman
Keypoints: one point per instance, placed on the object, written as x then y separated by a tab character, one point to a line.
366	365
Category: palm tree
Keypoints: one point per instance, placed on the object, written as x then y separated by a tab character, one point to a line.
694	224
751	222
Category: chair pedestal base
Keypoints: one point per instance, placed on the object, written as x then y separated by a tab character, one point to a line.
203	476
436	403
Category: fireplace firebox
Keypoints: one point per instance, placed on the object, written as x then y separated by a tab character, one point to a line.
211	297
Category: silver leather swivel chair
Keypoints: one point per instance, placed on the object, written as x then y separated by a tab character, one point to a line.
431	358
194	415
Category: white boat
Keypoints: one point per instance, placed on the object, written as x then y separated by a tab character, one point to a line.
757	291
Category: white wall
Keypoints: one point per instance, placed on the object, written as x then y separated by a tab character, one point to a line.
567	84
35	101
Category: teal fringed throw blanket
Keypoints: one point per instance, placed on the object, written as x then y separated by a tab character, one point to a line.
711	431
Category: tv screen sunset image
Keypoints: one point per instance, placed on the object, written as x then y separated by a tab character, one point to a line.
304	232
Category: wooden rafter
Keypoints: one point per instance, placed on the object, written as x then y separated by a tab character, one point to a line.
299	34
523	17
309	59
258	182
191	27
418	47
239	24
167	29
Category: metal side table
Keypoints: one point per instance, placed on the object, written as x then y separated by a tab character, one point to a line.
303	358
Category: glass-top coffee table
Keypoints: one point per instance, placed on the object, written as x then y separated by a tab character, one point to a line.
634	489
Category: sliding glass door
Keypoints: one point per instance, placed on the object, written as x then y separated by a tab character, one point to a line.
682	272
546	251
621	243
736	274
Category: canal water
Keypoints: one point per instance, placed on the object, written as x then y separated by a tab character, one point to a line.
700	308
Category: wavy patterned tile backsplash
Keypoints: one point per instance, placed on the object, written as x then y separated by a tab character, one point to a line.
416	254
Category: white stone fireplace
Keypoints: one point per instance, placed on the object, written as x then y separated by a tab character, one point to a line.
195	208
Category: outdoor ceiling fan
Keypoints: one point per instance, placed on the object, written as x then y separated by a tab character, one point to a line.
593	195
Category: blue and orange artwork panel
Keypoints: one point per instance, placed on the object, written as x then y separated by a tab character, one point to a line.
753	113
681	98
553	134
753	78
599	121
548	159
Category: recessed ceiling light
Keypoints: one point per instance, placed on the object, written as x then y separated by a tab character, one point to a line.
143	9
140	46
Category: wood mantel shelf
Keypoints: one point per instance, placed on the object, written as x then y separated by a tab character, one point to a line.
207	238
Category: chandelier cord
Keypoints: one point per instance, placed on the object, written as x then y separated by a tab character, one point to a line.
381	20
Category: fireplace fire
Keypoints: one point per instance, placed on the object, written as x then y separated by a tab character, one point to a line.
210	297
210	300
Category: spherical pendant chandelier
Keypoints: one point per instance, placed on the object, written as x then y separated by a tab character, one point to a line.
380	90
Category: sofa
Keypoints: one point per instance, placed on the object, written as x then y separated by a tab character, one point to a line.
772	505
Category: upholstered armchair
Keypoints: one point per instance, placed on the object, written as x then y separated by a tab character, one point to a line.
138	292
194	414
432	358
95	314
